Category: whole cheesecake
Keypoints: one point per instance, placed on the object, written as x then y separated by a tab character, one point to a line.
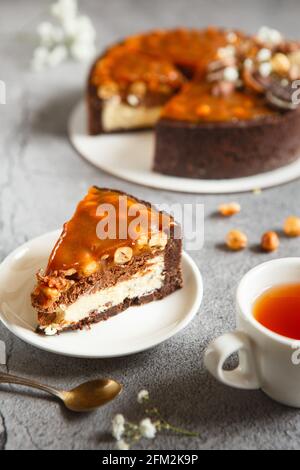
221	102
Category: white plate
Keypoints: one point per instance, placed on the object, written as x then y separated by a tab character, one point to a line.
129	156
135	330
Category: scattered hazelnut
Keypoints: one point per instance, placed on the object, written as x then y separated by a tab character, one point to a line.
159	239
270	241
123	255
236	240
229	209
90	268
292	226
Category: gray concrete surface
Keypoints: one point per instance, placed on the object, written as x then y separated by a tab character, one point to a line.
42	178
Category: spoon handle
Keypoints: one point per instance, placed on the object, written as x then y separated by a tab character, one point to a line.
13	379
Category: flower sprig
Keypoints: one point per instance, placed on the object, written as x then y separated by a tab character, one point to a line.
128	433
71	35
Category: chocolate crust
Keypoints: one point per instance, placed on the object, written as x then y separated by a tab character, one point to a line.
227	149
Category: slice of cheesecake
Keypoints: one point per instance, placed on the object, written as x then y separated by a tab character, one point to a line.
115	252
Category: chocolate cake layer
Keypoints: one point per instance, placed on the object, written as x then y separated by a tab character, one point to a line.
227	150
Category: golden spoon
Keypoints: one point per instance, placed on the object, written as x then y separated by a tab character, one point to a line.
86	397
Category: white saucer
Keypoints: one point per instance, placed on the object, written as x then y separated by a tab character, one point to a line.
129	156
135	330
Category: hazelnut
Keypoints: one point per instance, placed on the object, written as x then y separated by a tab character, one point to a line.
229	209
123	255
51	293
270	241
159	239
280	63
203	110
292	226
138	88
142	240
90	268
108	90
236	240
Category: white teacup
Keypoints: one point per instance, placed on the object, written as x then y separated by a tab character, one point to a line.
267	360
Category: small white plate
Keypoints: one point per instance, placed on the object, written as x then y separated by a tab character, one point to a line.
130	156
135	330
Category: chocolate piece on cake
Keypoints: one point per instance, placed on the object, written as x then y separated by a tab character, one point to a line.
221	101
115	252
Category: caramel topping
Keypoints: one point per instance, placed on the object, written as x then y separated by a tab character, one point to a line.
227	71
101	213
126	67
196	103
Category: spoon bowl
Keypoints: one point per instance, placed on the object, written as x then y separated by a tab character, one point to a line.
90	395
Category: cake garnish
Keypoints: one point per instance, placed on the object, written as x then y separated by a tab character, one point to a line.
266	64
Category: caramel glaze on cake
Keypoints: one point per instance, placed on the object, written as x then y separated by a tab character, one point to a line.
209	122
83	266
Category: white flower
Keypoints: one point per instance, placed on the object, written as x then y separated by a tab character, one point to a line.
73	36
81	52
40	57
64	9
143	396
147	428
122	445
118	426
56	56
231	74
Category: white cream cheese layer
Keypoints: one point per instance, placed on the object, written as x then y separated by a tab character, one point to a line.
142	283
117	115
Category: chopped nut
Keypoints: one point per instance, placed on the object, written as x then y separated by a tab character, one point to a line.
292	226
236	240
51	293
159	239
90	268
203	110
280	63
123	255
142	240
70	272
223	88
229	209
294	58
138	88
108	90
133	100
270	241
104	257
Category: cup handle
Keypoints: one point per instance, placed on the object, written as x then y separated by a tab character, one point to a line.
245	375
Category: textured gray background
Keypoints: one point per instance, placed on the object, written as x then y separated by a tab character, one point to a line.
42	178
